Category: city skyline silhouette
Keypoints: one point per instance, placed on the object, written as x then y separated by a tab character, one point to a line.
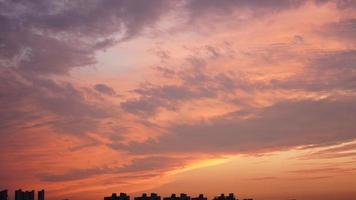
30	195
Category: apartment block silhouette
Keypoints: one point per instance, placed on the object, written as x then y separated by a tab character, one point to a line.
123	196
200	197
175	197
231	196
41	195
24	195
3	195
144	196
30	195
182	196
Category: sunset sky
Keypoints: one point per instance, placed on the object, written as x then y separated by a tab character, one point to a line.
255	97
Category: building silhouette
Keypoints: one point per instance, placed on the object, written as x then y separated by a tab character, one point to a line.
172	197
231	196
28	195
24	195
182	196
144	196
123	196
200	197
41	195
19	194
3	195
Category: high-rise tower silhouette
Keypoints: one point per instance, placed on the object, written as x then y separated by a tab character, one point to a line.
123	196
19	194
144	196
41	195
223	197
3	195
200	197
24	195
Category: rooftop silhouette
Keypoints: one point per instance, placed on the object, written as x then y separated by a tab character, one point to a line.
200	197
23	195
182	196
144	196
122	196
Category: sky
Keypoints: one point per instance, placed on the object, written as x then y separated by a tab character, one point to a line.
255	97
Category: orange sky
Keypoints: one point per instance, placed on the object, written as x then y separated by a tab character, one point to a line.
196	96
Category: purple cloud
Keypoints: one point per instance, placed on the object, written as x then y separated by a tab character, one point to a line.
281	126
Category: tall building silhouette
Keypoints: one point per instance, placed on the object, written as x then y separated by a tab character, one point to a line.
29	195
3	195
200	197
113	197
223	197
123	196
184	196
41	195
174	197
144	196
19	194
231	197
24	195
